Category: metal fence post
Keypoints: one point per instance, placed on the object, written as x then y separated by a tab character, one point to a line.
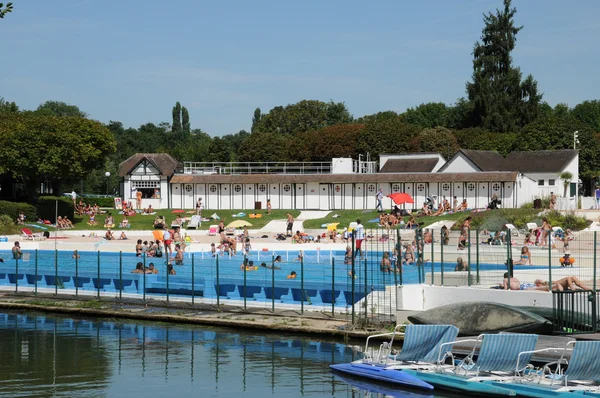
193	278
77	275
353	276
121	274
302	284
36	272
442	257
550	259
273	283
477	255
333	295
217	273
98	274
595	254
16	275
366	292
245	266
144	275
432	260
469	257
167	269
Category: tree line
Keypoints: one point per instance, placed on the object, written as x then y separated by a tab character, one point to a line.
501	111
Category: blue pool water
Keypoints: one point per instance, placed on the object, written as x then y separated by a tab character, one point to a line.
46	356
321	278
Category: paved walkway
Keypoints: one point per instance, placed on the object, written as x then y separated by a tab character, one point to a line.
279	226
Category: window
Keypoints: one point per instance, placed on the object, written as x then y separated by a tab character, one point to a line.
262	187
213	188
470	186
421	187
446	187
495	187
287	188
237	188
188	188
396	188
149	189
551	182
371	188
541	183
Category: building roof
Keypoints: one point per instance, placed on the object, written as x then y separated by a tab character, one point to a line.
553	161
164	162
485	160
344	178
409	165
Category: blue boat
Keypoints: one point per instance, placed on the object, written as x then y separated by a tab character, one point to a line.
419	351
383	389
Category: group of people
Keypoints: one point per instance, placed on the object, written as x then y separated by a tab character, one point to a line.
64	223
562	284
151	269
82	208
430	208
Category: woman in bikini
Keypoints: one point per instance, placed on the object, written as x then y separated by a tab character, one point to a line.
525	257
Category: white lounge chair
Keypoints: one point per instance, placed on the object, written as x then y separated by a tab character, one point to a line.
195	222
513	230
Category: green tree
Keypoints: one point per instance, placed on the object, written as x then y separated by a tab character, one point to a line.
176	126
460	114
482	140
266	147
432	114
588	112
439	139
6	106
330	142
501	101
256	118
59	108
5	9
379	116
387	135
185	120
566	176
306	115
37	148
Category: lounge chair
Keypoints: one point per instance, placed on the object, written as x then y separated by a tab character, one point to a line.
195	222
499	358
27	234
213	230
531	225
419	350
513	230
581	375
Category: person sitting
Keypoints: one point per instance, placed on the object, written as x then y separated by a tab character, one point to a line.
124	222
297	238
149	210
109	222
525	257
139	269
409	255
171	270
462	206
178	255
292	275
278	259
75	254
528	239
462	240
159	222
385	264
92	222
178	221
333	235
59	223
425	210
123	236
109	235
461	265
445	235
68	223
411	224
427	237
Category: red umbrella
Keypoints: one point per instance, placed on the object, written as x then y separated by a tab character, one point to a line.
400	198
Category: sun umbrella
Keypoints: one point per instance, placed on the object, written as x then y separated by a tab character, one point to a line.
332	226
400	198
239	224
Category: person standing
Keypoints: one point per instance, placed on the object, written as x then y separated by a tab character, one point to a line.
74	197
199	207
138	200
16	251
597	194
379	198
268	206
552	205
290	225
359	234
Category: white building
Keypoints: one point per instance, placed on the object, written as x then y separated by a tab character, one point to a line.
342	183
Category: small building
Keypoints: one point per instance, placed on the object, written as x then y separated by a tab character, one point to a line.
150	174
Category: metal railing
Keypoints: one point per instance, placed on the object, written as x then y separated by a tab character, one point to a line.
256	168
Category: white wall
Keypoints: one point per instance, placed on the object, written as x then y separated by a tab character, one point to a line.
341	166
460	164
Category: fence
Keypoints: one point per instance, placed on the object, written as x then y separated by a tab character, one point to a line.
360	286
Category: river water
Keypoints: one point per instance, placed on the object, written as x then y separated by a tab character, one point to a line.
52	356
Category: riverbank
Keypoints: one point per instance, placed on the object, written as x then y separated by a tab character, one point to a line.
287	321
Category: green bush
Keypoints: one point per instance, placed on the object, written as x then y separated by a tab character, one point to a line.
12	210
102	202
8	226
46	207
566	220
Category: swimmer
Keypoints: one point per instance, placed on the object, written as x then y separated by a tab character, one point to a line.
292	275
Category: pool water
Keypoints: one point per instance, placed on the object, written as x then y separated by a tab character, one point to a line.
322	277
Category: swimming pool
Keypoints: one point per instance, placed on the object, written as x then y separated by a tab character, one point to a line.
322	277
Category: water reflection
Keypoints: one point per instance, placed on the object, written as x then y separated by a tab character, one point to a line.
53	356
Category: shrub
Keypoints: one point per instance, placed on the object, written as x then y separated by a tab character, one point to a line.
102	202
8	226
46	207
12	210
566	220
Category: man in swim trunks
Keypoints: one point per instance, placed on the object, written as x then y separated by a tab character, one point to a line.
359	233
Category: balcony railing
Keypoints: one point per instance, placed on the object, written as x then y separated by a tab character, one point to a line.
257	168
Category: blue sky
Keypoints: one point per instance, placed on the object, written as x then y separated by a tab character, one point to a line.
132	60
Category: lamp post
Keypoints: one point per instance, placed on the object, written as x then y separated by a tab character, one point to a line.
575	140
107	174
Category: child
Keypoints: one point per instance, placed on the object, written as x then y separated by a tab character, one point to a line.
292	275
213	250
247	246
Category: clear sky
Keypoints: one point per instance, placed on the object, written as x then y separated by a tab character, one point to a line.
131	60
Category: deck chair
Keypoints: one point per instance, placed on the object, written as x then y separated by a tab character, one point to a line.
505	352
421	344
513	230
194	222
584	364
27	234
531	225
213	230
